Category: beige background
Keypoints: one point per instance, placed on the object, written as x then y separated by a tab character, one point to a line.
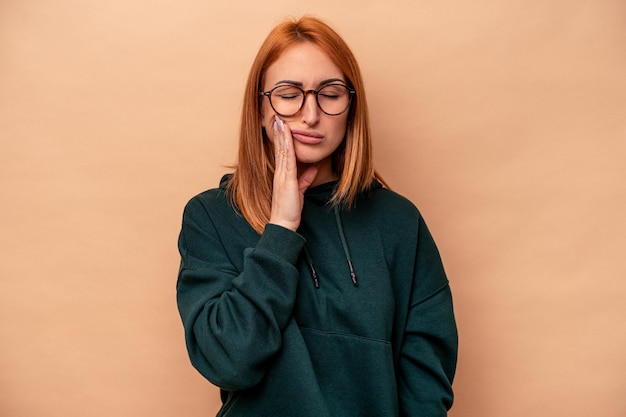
504	121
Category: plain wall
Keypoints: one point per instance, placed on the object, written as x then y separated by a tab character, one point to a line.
504	121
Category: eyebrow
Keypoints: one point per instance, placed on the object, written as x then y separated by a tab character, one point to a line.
299	84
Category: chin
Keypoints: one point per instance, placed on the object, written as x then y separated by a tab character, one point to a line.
308	160
309	157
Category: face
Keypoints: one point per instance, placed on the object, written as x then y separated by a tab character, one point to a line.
316	135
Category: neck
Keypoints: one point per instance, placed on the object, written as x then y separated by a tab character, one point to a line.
324	174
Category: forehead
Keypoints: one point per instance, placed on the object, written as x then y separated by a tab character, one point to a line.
304	62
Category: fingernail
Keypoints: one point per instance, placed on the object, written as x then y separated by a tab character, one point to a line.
279	123
275	126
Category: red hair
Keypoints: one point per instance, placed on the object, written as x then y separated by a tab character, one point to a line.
250	188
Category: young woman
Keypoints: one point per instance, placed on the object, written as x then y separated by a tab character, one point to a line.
306	287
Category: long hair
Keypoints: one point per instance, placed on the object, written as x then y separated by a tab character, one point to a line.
250	187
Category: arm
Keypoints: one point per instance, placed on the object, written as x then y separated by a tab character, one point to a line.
428	356
233	320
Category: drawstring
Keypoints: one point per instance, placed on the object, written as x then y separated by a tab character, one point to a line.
309	261
345	247
346	251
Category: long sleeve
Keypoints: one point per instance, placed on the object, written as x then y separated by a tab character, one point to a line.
428	356
234	312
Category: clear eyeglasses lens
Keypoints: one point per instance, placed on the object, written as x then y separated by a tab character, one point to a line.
332	99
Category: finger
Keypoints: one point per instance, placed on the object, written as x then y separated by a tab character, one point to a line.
286	163
290	153
279	146
307	177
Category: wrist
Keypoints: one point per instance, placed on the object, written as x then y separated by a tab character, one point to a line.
293	226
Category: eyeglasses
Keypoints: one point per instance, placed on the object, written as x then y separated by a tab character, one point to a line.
287	100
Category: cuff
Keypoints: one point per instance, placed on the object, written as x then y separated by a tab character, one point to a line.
282	242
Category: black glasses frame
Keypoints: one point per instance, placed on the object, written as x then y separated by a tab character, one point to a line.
305	93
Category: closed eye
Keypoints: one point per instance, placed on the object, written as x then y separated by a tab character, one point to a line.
289	96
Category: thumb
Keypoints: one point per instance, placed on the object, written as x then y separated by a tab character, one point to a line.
307	177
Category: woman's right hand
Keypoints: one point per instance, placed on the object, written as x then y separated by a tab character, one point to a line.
288	191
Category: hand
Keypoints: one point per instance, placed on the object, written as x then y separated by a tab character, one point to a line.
288	192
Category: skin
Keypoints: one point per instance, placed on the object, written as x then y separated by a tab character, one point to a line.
304	143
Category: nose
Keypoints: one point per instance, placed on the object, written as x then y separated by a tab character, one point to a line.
310	111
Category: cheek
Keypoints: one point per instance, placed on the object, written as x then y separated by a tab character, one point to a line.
267	116
267	122
340	128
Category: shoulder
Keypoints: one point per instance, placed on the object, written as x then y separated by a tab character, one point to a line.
213	209
394	200
392	205
211	199
386	213
209	204
206	202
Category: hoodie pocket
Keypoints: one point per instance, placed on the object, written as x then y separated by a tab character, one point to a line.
355	373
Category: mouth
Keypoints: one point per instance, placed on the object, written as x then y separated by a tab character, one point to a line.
307	136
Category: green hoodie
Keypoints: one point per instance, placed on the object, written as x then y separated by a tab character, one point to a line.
350	316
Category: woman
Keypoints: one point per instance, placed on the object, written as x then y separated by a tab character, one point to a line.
306	288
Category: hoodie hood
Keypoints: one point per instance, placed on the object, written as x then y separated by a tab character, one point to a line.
321	195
